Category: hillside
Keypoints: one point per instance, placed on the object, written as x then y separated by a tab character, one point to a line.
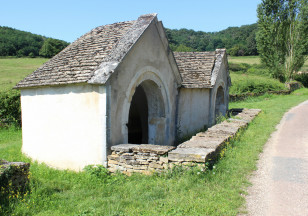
14	42
239	41
12	70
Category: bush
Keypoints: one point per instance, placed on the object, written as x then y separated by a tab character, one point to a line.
243	83
10	112
242	67
98	171
302	78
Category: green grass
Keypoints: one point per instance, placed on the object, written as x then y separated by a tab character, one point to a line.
12	70
244	59
249	77
256	60
214	192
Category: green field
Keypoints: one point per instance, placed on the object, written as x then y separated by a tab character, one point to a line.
256	60
12	70
244	59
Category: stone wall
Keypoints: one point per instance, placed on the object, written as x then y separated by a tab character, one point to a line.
145	158
14	178
292	86
201	148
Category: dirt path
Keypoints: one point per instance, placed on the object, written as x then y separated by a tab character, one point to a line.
280	185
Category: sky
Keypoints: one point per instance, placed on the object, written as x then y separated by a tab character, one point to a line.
69	19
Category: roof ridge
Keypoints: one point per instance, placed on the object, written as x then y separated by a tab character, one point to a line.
121	48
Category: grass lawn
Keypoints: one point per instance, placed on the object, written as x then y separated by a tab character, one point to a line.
256	60
12	70
212	192
244	59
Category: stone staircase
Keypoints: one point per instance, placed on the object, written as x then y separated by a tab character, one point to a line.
202	147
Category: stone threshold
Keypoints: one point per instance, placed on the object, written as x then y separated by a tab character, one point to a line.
201	148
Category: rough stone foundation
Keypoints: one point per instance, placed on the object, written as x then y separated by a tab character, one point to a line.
204	146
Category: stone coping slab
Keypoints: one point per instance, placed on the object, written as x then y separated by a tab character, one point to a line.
202	147
201	144
150	148
206	144
190	154
123	147
142	148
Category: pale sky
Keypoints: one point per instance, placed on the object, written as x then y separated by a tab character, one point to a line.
69	19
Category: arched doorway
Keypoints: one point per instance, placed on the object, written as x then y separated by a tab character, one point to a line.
138	118
146	117
220	107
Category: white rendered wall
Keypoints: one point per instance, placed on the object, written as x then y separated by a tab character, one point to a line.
65	127
193	111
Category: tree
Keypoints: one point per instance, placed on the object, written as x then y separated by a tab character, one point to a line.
282	36
52	47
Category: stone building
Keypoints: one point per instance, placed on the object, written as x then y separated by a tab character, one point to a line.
119	83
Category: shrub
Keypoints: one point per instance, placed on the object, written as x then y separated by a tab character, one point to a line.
242	67
98	171
10	112
302	78
243	83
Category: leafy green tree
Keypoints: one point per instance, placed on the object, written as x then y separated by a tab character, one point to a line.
282	36
183	48
51	47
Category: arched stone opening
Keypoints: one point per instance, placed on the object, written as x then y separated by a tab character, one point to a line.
220	107
138	118
147	120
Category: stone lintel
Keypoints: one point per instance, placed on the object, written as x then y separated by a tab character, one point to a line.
150	148
191	154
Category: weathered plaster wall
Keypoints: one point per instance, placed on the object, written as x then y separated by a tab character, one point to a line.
193	111
147	62
65	127
222	79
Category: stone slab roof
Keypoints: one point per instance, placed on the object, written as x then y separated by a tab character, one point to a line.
195	68
91	58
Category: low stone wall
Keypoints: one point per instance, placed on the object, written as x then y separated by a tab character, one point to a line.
202	147
292	86
144	158
14	179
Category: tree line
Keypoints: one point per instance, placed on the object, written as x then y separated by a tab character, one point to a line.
18	43
239	41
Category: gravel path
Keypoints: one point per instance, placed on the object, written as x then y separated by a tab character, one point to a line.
280	184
